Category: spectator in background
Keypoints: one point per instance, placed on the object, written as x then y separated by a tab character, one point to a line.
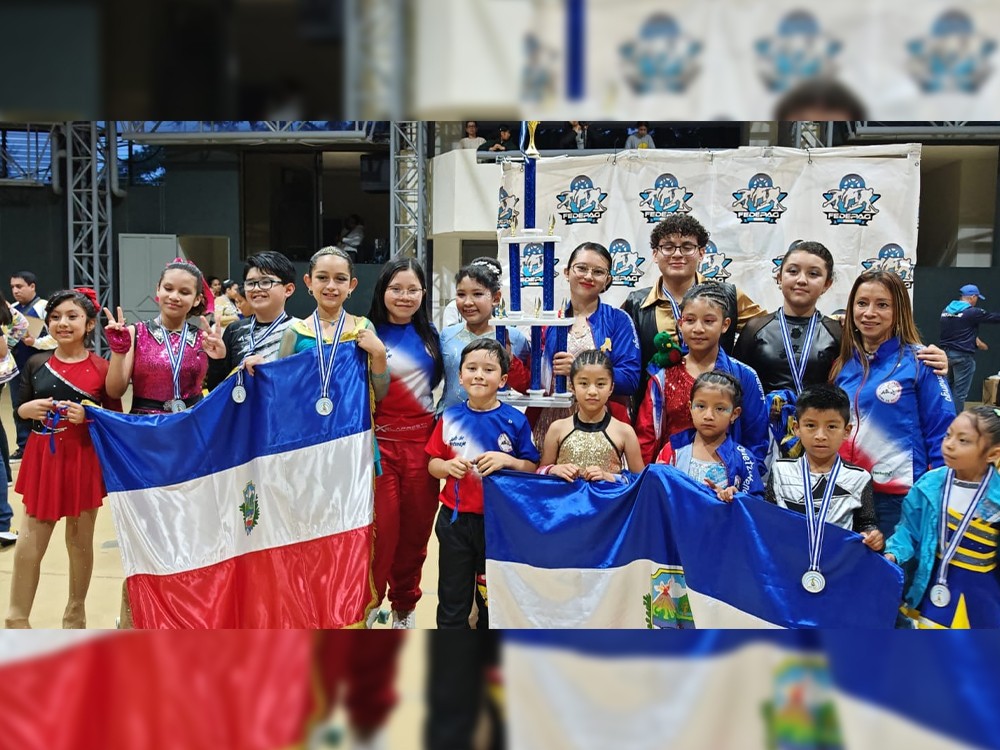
354	234
242	305
472	138
503	141
30	305
960	338
641	137
225	306
578	136
215	284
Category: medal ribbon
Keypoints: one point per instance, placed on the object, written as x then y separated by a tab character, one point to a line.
948	551
326	367
677	317
816	523
253	341
176	360
798	368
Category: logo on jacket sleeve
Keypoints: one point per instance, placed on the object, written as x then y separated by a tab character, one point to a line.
582	203
625	263
666	197
851	203
760	201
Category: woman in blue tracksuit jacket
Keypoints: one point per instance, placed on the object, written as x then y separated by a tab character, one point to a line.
596	326
900	409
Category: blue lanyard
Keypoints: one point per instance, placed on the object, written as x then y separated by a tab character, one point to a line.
176	360
816	522
798	368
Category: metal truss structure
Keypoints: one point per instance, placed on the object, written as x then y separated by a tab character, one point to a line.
924	130
90	149
408	190
26	154
247	132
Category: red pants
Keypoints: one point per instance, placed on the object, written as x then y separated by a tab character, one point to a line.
406	499
366	662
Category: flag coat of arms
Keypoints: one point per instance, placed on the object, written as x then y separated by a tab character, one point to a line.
253	514
663	552
752	690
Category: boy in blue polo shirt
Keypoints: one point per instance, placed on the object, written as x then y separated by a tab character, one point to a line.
472	440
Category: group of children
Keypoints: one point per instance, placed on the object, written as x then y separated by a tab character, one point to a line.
703	412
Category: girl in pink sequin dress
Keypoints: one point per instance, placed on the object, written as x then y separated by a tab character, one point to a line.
165	359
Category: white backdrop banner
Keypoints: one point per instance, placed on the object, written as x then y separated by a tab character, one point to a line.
861	203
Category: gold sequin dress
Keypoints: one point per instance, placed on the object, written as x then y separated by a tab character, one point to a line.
588	444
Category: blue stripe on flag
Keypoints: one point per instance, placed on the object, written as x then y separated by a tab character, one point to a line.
749	554
279	415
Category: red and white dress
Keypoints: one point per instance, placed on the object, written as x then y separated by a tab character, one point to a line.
65	481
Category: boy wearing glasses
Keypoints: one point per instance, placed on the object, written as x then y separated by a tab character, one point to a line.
678	243
268	283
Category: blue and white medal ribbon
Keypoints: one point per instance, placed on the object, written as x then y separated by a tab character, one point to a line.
940	594
813	580
324	406
176	360
677	317
239	393
798	368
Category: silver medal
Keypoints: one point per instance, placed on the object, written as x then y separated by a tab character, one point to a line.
813	581
324	406
239	394
940	595
175	405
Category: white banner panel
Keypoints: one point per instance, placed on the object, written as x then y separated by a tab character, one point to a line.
861	203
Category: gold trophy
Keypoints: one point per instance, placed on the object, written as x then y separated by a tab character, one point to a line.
531	151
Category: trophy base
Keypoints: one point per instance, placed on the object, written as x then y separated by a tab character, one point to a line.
536	398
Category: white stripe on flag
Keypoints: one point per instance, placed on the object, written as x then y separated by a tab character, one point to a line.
522	596
172	529
868	727
565	699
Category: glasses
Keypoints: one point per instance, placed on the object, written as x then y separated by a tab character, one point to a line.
397	291
688	248
582	269
265	284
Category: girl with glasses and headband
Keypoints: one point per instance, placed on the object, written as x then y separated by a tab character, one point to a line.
595	326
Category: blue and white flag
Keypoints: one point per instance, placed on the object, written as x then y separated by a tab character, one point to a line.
252	514
664	552
723	690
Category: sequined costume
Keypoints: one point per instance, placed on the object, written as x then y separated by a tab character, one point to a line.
589	444
152	381
66	481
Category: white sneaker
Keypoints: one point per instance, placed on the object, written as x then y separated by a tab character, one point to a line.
376	615
406	621
7	538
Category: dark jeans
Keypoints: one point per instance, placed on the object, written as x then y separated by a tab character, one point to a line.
457	676
461	561
22	426
961	368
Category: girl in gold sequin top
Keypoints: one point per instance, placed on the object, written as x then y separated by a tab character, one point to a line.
591	444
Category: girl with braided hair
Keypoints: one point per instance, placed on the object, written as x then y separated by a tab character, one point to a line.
666	408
